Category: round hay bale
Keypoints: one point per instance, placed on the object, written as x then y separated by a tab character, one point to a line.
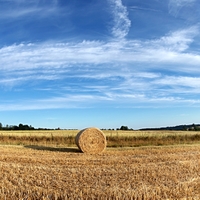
91	140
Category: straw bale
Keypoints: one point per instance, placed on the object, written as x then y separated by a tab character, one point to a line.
91	140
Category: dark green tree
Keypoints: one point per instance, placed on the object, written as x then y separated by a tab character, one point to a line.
124	128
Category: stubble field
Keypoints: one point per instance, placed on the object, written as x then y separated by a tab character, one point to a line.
54	172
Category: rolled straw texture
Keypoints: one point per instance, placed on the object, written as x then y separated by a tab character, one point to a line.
91	140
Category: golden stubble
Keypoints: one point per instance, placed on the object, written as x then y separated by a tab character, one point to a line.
135	173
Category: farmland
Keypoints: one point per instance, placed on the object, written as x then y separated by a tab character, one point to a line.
63	138
53	170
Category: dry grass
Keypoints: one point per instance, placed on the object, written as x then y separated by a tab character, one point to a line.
40	133
151	133
108	133
64	138
37	172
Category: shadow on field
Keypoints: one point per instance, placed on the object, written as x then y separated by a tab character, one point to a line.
68	149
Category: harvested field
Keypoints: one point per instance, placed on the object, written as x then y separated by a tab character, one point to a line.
36	172
66	138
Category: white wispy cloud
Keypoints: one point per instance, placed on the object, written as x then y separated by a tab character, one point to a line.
139	89
28	8
182	84
122	23
176	5
172	48
178	41
113	67
64	101
86	59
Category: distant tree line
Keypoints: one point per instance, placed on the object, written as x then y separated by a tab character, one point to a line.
125	128
24	127
15	127
190	127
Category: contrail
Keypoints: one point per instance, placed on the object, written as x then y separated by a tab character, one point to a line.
176	5
142	8
122	23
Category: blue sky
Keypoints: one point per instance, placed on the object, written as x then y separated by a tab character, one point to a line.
76	64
